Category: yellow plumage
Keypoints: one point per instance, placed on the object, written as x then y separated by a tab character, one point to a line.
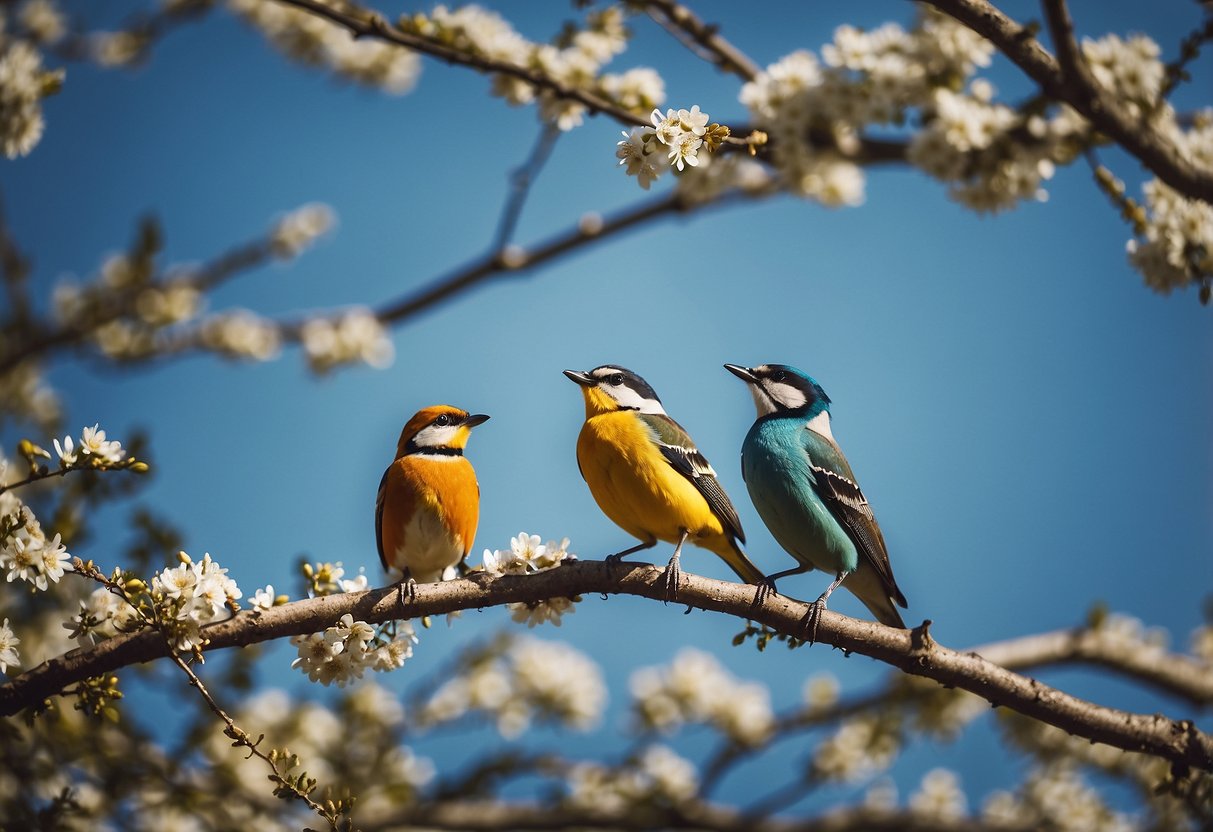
635	486
646	474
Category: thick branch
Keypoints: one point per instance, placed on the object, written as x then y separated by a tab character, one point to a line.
913	651
1181	676
373	25
1099	107
495	815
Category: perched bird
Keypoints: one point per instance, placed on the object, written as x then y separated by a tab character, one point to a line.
804	491
429	501
648	477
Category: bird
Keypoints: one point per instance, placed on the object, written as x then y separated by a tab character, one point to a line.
428	504
807	495
648	477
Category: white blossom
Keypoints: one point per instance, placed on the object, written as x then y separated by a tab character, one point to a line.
940	796
696	688
93	443
355	335
8	648
263	599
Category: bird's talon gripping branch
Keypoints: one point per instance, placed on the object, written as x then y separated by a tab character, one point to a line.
763	590
810	621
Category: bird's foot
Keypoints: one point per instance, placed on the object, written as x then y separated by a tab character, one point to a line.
614	563
673	575
763	590
406	591
808	624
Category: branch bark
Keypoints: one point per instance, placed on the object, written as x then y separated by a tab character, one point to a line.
913	651
711	817
1099	107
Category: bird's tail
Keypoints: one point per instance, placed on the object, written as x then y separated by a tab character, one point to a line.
730	553
865	584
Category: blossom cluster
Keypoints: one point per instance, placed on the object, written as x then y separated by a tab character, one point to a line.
133	309
344	651
23	84
355	335
26	552
656	775
674	139
102	615
191	595
527	681
526	556
1055	795
575	60
939	796
1174	247
696	688
861	747
314	41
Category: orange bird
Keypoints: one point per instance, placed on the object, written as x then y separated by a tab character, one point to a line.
429	501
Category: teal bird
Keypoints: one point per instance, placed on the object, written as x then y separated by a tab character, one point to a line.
806	494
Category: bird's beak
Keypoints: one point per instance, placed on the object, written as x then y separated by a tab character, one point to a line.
743	373
475	419
584	379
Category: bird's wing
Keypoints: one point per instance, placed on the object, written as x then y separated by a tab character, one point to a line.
835	485
379	500
678	449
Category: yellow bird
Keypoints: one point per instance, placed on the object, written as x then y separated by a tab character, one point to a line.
648	477
429	501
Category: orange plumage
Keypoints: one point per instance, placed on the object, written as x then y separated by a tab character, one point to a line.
429	501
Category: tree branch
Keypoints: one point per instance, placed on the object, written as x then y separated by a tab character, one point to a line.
912	651
1158	154
712	817
373	25
677	18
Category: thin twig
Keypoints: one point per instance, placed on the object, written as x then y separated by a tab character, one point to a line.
693	32
373	25
520	186
912	651
48	337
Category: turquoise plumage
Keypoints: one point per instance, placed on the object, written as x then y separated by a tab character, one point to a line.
804	490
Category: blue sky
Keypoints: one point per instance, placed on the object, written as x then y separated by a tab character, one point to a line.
1028	420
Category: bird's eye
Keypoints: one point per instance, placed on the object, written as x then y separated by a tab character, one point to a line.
443	420
616	379
779	375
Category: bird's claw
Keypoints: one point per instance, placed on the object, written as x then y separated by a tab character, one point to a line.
406	591
810	621
613	563
763	590
673	575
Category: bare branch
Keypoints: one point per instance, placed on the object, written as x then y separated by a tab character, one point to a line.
683	23
479	271
1154	151
914	651
1180	676
1073	66
520	186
